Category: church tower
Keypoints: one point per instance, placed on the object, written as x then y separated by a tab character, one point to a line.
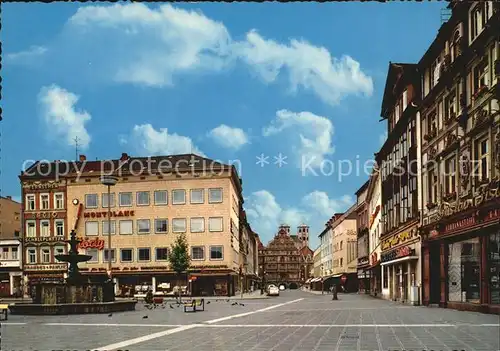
303	235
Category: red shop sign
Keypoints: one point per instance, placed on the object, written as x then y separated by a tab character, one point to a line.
403	252
343	279
91	244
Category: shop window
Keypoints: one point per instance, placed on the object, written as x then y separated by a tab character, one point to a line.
494	265
463	271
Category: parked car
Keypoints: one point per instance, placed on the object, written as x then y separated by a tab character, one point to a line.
282	287
273	291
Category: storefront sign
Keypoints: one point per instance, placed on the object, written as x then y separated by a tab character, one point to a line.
374	259
363	261
483	194
44	267
40	186
91	244
36	280
44	215
398	253
374	215
105	214
44	239
399	238
463	223
215	266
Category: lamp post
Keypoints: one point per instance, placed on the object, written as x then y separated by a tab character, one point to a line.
109	181
322	282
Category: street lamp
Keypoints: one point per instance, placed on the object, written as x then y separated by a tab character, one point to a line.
322	286
109	181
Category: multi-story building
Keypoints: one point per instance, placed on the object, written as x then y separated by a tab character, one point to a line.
155	200
461	160
10	243
44	222
326	258
344	249
282	260
398	163
249	251
374	203
363	238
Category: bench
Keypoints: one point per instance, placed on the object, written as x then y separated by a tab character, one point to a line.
194	305
4	308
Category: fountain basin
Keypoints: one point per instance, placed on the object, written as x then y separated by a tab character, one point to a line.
73	258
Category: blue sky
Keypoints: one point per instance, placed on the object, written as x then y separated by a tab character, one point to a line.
229	81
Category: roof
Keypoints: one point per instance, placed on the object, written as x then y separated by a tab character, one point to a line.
127	166
397	73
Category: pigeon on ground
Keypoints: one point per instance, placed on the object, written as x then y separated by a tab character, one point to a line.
110	315
172	307
227	300
234	304
208	302
242	304
144	317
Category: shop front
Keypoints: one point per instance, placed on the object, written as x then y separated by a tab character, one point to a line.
364	275
375	275
400	267
461	255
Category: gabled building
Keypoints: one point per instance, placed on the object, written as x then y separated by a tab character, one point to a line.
11	279
461	160
363	238
398	164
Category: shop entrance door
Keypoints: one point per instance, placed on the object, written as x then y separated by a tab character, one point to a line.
404	283
435	274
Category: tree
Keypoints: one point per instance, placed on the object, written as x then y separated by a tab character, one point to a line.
179	256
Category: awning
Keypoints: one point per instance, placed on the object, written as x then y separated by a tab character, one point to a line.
337	275
402	259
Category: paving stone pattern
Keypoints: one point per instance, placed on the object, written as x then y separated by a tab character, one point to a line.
354	322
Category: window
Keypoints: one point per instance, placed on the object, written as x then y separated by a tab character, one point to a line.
396	113
58	201
44	201
214	195
161	197
32	256
454	46
197	225
143	198
197	196
179	197
432	181
216	252
45	255
59	250
125	199
386	277
126	255
144	254
143	226
14	253
450	175
463	271
94	253
476	21
481	157
91	228
450	108
5	253
179	225
341	244
105	227
480	76
59	224
31	229
105	200
197	253
44	228
91	201
126	227
106	255
161	225
215	224
162	253
405	100
30	202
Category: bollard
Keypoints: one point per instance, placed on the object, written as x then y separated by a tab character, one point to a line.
334	292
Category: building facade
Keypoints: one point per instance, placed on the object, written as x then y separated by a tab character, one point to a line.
344	250
363	239
249	273
326	258
11	279
461	160
398	163
374	204
283	261
155	200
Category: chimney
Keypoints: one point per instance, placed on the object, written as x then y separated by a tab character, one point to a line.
124	156
83	158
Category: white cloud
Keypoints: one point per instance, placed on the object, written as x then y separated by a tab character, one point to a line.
229	137
148	141
62	118
134	43
26	56
315	134
314	209
382	138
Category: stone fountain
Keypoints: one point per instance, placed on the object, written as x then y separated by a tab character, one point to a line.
76	295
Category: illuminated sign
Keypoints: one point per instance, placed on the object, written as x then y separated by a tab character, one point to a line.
45	267
91	244
105	214
44	215
398	253
397	239
463	223
43	239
